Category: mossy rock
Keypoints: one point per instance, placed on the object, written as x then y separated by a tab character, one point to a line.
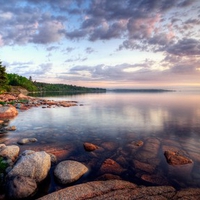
3	165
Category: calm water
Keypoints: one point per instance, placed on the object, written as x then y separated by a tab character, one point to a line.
113	121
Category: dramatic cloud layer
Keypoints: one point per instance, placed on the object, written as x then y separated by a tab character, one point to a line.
127	43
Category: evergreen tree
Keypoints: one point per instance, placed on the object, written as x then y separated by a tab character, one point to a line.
30	79
3	76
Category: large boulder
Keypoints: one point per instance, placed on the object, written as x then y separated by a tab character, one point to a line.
32	164
69	171
8	111
10	152
112	189
20	187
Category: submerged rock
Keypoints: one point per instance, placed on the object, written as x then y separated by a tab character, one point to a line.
174	158
89	146
111	166
69	171
27	140
144	166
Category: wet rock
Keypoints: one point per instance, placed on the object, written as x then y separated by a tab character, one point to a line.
53	158
155	179
110	166
106	177
174	158
67	104
69	171
8	111
11	128
90	190
23	97
122	161
194	155
109	145
26	140
188	194
133	147
20	187
144	166
149	151
7	97
89	146
11	151
138	143
24	107
32	164
59	152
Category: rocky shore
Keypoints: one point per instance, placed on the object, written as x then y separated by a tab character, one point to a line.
22	172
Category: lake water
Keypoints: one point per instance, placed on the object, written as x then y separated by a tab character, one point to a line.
114	121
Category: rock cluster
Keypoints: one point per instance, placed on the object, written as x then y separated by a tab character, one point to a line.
25	171
29	169
24	102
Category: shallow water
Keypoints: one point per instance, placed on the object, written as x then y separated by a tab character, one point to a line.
163	121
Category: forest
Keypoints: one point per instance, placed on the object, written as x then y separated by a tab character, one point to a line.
7	81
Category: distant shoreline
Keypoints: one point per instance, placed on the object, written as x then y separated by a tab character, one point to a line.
140	90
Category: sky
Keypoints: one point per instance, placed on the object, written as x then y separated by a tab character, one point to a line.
103	43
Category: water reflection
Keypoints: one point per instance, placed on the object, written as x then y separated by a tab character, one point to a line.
118	119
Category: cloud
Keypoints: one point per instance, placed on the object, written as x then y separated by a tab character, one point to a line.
185	47
49	32
30	20
76	59
29	68
89	50
68	49
51	48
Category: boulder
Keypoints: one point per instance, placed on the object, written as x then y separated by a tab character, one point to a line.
92	190
20	187
67	104
111	166
23	97
89	146
11	151
69	171
174	158
32	164
8	111
116	189
27	140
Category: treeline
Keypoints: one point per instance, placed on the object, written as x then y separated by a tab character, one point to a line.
48	87
9	80
16	80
